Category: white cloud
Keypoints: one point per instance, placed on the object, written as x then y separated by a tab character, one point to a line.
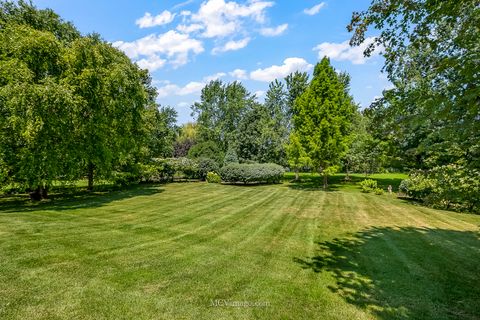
173	46
152	63
276	72
239	74
315	9
231	46
173	89
259	93
215	76
272	32
222	18
148	21
183	4
194	87
183	104
344	52
189	28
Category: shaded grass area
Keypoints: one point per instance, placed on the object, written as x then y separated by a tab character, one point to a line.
171	251
313	181
422	279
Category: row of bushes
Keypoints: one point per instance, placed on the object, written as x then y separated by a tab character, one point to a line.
165	170
249	173
447	187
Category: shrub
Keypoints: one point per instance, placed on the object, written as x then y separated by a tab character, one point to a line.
450	186
378	191
207	149
213	177
258	173
206	165
368	185
230	157
188	168
125	178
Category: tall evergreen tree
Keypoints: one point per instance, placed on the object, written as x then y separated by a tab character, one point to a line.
323	115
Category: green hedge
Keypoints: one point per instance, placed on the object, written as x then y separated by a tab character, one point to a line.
447	187
249	173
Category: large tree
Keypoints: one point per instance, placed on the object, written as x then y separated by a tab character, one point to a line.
35	122
220	110
24	13
431	49
109	123
296	83
323	115
162	130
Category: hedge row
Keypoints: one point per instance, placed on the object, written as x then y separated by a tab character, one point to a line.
249	173
164	170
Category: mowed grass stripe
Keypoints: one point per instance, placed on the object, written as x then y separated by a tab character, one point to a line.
171	250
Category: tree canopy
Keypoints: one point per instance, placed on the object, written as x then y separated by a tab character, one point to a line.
322	119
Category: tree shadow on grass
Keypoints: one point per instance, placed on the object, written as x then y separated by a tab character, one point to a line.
68	199
405	273
337	182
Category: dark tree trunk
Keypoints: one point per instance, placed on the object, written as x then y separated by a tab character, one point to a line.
90	176
44	192
35	195
39	194
325	181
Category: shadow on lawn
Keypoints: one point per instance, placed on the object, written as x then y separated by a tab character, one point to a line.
405	273
315	182
68	199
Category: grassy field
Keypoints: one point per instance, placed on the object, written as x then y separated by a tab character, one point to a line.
206	251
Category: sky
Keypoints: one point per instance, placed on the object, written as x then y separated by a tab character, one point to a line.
185	44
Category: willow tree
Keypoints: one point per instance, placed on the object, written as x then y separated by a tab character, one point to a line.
322	119
114	95
35	122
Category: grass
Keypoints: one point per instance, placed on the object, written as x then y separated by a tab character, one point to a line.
190	250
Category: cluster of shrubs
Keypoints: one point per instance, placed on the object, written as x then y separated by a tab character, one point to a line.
452	187
205	169
252	173
369	185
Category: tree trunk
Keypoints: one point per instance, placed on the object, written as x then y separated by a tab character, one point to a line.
44	192
296	174
90	176
347	177
39	194
325	181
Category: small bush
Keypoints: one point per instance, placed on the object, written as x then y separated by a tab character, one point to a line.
258	173
206	165
378	191
188	168
213	177
368	185
125	178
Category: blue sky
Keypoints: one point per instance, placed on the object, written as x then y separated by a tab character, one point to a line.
185	44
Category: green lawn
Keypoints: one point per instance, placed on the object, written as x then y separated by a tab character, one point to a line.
171	251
